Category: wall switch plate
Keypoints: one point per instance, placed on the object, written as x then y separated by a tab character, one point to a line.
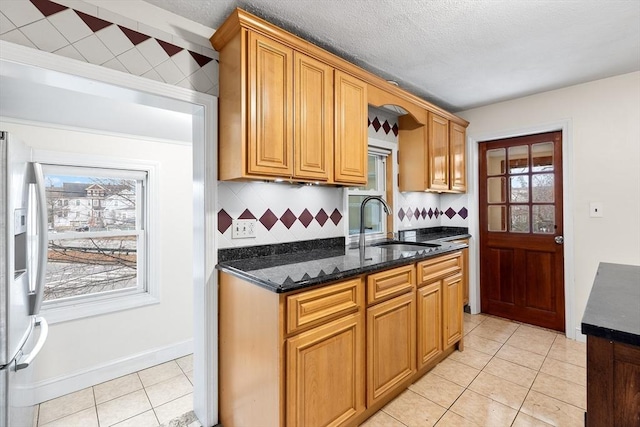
243	229
595	210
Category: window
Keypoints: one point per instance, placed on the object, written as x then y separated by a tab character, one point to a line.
375	217
101	252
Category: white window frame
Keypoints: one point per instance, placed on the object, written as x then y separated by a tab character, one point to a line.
146	293
381	191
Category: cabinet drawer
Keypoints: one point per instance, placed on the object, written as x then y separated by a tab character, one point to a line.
319	305
389	283
437	268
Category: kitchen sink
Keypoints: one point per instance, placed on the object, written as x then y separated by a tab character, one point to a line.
405	246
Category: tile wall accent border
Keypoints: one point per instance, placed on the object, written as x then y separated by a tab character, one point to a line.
382	125
72	33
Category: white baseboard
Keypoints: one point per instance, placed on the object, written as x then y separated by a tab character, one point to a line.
579	335
65	384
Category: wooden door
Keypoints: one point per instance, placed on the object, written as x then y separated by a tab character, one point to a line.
438	130
270	100
457	154
351	139
429	322
391	350
521	253
313	124
325	374
452	309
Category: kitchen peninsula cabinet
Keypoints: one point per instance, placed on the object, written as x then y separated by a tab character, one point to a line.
336	353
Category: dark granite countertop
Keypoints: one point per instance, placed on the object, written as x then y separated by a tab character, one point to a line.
285	272
613	309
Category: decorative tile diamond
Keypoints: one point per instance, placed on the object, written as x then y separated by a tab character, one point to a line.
134	37
463	213
322	217
336	216
450	213
305	218
395	129
409	214
288	218
224	221
401	214
96	24
246	215
171	49
201	59
430	213
424	213
386	127
416	213
376	124
268	219
48	8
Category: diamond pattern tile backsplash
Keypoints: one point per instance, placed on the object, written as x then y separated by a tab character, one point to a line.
382	125
283	212
76	34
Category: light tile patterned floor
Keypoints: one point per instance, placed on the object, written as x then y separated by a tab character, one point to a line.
160	395
510	374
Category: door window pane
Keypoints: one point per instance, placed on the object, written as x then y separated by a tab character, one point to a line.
496	189
542	157
519	159
543	219
542	187
519	189
496	160
497	218
519	219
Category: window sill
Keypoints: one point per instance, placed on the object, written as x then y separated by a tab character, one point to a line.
96	307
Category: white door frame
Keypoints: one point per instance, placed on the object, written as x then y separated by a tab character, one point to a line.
204	122
473	140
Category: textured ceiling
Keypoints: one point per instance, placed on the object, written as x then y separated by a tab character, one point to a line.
458	54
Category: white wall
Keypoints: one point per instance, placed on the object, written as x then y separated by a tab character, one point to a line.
83	347
604	132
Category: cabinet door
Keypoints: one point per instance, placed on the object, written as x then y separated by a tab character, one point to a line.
457	152
391	351
325	374
452	309
438	152
429	323
350	129
313	123
270	98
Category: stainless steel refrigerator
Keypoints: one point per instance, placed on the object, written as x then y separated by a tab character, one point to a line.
23	257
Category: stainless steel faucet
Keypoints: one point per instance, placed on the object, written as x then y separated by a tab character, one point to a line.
386	208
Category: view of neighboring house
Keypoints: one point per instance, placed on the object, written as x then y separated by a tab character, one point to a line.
91	206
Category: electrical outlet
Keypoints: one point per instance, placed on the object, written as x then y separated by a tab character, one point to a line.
595	210
243	228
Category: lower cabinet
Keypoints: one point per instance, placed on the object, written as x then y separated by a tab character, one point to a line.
429	334
325	373
391	332
452	309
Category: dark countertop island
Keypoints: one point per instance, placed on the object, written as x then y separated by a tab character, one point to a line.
613	309
611	323
297	266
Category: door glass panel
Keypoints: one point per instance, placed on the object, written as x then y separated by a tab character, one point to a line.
542	157
497	218
519	189
542	187
496	160
519	219
519	159
543	219
496	189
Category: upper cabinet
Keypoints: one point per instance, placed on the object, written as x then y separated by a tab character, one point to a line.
291	110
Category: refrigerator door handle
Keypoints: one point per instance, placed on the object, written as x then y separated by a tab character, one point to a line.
26	360
36	297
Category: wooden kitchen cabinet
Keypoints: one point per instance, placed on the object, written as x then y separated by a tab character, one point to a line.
465	270
438	149
452	309
429	323
325	374
391	357
351	138
457	158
